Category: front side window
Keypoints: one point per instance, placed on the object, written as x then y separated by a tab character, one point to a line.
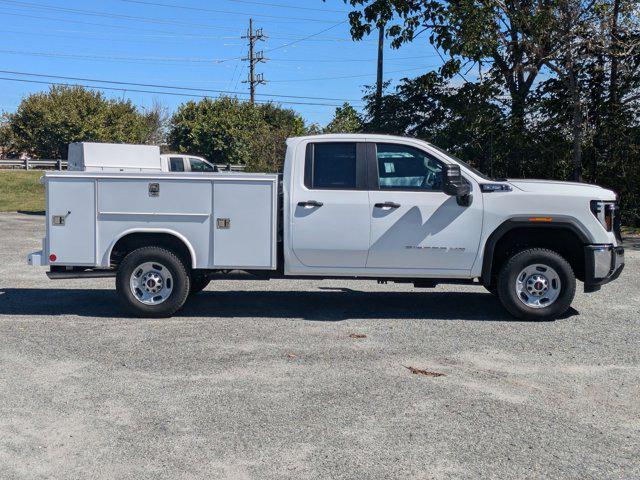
198	165
176	164
332	166
401	167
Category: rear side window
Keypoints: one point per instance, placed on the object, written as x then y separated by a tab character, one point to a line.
176	164
331	166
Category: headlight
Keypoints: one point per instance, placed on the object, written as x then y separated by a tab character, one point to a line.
605	212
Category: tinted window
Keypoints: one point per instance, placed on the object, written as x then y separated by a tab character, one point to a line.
198	165
407	168
176	164
333	167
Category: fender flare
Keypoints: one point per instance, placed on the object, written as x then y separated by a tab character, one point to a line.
558	221
179	236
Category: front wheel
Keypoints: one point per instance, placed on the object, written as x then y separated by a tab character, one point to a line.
536	284
152	282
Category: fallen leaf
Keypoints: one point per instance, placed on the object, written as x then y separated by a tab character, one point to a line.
426	373
292	355
357	335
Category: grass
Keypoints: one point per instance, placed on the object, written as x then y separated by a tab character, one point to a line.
21	190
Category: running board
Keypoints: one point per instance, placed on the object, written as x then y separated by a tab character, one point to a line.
84	274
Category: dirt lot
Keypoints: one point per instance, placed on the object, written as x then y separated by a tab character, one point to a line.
266	380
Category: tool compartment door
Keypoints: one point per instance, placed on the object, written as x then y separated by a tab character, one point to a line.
244	224
74	241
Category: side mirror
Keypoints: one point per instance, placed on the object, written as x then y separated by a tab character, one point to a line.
454	184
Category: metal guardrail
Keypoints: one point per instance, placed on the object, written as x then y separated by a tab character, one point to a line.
30	163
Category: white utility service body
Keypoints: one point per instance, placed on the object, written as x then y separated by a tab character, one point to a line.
357	206
90	212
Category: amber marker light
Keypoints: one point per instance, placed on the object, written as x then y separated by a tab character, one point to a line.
541	219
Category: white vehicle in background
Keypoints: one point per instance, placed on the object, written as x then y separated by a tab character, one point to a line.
116	157
178	162
347	206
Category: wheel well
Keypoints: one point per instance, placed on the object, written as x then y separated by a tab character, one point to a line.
132	241
562	240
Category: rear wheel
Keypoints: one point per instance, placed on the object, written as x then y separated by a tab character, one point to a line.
536	284
152	282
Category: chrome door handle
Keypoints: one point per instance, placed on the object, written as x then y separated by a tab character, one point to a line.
387	205
310	204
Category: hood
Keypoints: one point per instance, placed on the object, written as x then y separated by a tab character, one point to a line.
554	187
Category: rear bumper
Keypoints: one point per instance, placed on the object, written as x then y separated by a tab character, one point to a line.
603	264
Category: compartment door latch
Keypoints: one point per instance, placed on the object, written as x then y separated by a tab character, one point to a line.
223	223
60	220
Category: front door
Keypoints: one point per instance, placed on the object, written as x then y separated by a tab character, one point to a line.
414	224
330	210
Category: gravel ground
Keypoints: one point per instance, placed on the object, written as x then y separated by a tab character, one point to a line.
264	379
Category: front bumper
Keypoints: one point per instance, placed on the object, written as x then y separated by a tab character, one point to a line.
603	264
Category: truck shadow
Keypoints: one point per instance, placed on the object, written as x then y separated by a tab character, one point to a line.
326	305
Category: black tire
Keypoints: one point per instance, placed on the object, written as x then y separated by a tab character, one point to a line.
180	282
198	283
492	289
516	264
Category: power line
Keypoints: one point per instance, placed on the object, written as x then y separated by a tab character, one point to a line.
159	33
227	12
193	60
93	13
317	79
172	87
176	94
346	60
308	37
280	5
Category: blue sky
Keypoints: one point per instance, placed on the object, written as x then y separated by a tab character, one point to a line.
196	43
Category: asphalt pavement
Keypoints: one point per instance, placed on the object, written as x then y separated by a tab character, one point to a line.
309	380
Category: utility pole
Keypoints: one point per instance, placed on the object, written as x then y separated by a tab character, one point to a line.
380	73
254	58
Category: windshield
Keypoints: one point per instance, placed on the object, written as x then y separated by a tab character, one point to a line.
463	163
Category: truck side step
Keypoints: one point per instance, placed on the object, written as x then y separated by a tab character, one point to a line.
62	275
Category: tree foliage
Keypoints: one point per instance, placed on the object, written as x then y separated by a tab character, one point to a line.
228	130
45	123
346	120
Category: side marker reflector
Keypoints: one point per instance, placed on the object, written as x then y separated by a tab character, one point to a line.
52	257
541	219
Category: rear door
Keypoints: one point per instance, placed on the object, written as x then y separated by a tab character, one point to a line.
414	224
330	210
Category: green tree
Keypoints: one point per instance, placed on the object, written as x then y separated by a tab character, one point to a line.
228	130
45	123
345	120
510	39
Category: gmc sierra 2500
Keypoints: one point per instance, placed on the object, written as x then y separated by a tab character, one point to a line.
356	206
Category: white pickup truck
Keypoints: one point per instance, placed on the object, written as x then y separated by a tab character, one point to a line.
347	206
